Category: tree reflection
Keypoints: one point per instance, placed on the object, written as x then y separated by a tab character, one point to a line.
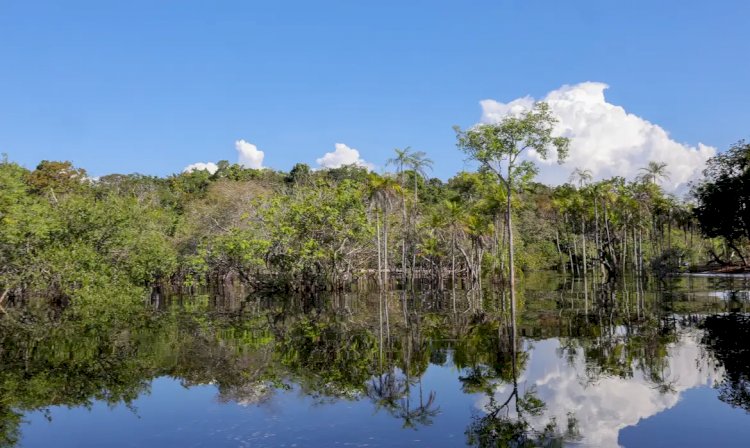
727	338
505	421
365	347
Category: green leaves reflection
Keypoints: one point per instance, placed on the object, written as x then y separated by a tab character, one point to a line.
347	348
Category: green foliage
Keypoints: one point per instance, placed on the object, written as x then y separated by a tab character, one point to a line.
318	231
58	245
723	208
62	231
57	178
493	145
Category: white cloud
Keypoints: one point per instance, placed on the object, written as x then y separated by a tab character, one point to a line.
343	155
210	167
248	155
606	139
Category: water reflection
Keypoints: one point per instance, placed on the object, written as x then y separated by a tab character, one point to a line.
573	400
591	359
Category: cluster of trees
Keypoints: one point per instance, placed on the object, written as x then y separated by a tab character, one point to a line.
64	235
723	202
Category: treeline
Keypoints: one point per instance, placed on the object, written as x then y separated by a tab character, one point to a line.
64	235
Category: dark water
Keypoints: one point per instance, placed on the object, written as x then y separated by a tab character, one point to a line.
634	364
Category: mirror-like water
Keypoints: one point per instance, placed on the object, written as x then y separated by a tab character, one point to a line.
635	364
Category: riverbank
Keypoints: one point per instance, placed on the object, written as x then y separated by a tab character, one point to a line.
720	270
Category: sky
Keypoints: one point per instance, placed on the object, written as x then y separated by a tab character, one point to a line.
157	86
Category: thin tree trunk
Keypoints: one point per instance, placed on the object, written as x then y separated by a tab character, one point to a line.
597	240
623	249
609	236
404	235
576	268
511	266
385	249
453	268
635	251
559	251
583	236
380	260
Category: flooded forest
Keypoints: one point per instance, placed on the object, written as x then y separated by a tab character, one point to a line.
252	307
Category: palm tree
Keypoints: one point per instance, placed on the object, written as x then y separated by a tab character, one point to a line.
382	190
654	172
419	163
583	177
454	214
403	157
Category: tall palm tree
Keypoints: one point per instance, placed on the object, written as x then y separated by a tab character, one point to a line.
654	172
454	214
403	158
419	163
382	191
583	177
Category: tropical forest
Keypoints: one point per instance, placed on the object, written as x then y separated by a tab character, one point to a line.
347	284
340	224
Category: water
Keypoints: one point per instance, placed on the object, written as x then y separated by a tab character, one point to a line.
636	364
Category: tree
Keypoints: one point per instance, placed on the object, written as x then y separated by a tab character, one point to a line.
382	191
497	147
56	177
583	178
723	197
299	174
403	157
654	172
419	163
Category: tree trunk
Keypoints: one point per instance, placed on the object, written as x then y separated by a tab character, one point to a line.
576	268
404	235
597	241
380	260
583	236
559	251
511	265
385	248
453	268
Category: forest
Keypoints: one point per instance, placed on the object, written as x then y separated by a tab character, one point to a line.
66	236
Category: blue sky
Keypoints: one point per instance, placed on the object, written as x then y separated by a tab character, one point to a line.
152	86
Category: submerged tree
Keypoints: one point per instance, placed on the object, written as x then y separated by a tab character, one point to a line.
497	147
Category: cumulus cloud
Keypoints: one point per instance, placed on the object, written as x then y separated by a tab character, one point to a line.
343	155
605	138
209	166
248	155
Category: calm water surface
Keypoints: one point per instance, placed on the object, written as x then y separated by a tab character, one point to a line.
635	364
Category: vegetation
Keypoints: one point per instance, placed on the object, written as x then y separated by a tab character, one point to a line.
723	197
65	236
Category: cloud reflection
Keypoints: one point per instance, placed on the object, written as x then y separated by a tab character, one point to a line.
603	405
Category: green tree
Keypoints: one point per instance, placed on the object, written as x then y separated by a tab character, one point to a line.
497	147
723	197
56	177
654	172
